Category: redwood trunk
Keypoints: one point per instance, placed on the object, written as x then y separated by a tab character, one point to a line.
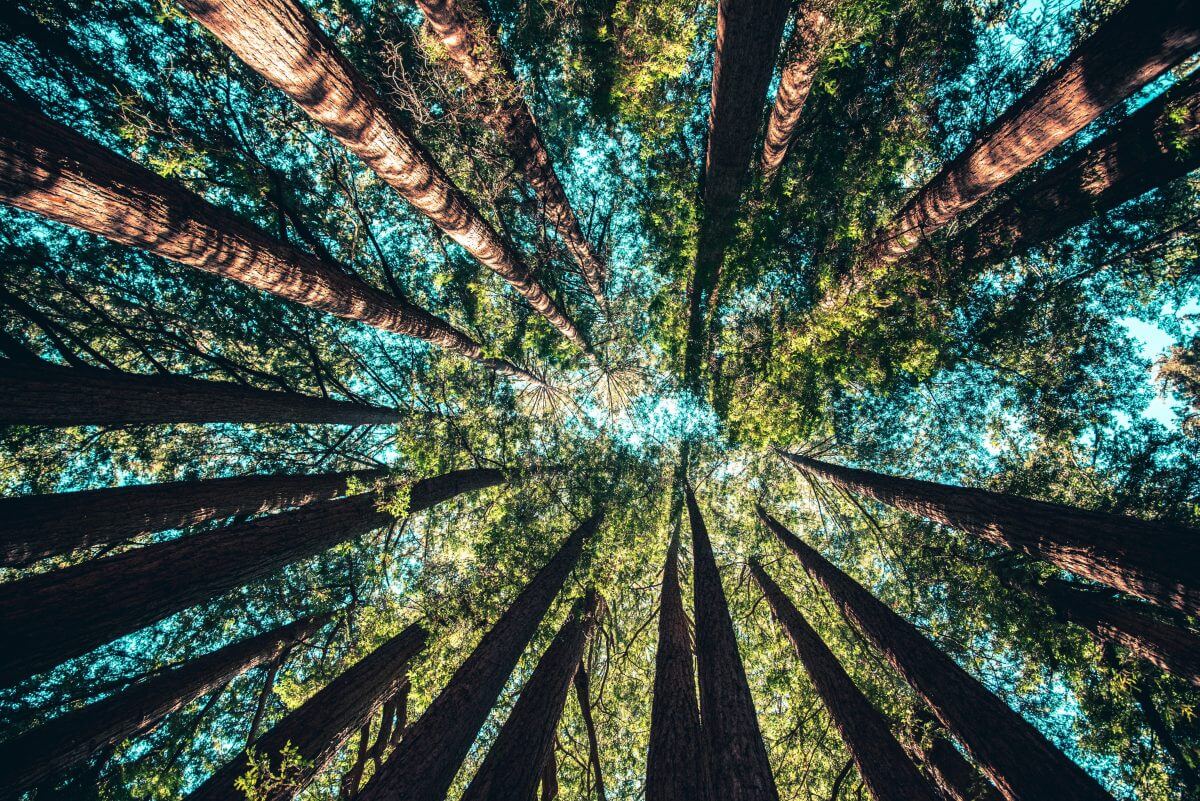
583	696
53	747
1019	760
956	778
882	763
319	727
795	82
281	42
1154	561
424	763
733	744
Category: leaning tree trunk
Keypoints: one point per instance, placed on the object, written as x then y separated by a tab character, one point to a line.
33	527
423	766
956	778
583	697
882	763
53	747
1019	760
733	744
1154	561
49	618
513	764
795	82
281	42
48	169
318	728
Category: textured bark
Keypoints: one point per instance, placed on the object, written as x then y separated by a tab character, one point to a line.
733	744
50	170
319	727
583	696
795	82
281	42
882	763
550	778
1019	760
53	747
424	763
34	527
1155	561
49	618
513	764
956	778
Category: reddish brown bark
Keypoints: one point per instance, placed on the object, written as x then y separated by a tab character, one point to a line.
55	746
280	41
795	82
1019	760
1154	561
956	778
733	744
424	763
319	727
882	763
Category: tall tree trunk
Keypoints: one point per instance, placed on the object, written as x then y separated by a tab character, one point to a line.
470	41
49	618
281	42
733	744
33	527
1150	560
424	763
319	727
583	696
795	82
1019	760
513	764
52	748
956	778
48	169
550	778
882	763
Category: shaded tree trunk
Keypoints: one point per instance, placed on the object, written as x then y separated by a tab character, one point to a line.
50	749
795	82
882	763
422	766
583	696
956	778
1151	560
550	778
733	744
280	41
49	618
1019	760
319	727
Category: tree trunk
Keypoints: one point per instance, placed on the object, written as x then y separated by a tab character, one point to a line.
882	763
1019	760
281	42
49	618
1151	560
33	527
795	82
424	763
956	778
733	744
319	727
52	748
550	778
50	170
583	696
513	764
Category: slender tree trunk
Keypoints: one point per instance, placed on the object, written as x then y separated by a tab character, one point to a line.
795	82
33	527
422	766
50	170
54	747
319	727
281	42
1151	560
49	618
956	778
550	778
737	756
882	763
583	696
1019	760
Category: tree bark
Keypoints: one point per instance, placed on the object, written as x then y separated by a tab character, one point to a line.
583	696
956	778
733	744
54	747
882	763
513	764
49	618
422	766
1151	560
319	727
550	778
795	82
282	43
1019	760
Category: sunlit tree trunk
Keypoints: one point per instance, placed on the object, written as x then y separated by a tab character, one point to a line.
882	763
424	763
1154	561
583	696
956	778
795	82
48	750
1019	760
